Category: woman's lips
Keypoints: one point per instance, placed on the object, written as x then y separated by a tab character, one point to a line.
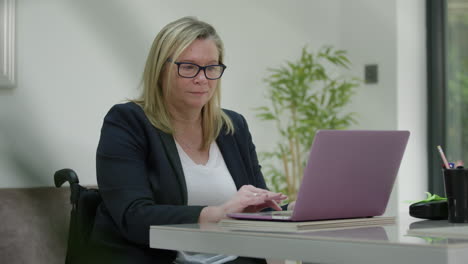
198	93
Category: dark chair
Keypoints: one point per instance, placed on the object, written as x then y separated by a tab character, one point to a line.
84	205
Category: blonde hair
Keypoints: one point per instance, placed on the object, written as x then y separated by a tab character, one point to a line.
171	41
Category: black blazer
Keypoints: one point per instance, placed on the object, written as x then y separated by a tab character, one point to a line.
142	183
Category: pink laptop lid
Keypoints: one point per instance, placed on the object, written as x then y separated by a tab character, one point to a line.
350	173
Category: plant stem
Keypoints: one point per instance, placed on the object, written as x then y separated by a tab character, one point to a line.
293	142
293	163
299	163
286	171
297	154
284	157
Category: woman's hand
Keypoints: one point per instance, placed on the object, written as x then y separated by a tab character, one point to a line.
248	199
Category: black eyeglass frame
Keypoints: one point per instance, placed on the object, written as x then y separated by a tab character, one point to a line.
178	63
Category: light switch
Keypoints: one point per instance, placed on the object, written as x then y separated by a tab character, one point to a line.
371	73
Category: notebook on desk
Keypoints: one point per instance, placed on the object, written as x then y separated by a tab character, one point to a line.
349	174
304	226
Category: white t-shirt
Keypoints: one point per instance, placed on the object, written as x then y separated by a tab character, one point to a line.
209	184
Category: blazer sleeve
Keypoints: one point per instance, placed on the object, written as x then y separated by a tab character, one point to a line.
123	181
258	179
253	160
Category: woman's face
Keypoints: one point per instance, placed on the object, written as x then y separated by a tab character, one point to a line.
193	93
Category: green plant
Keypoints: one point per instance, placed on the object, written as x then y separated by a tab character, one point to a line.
304	96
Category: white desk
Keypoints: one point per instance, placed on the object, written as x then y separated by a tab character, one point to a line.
381	244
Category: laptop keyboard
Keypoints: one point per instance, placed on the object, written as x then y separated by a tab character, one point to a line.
278	213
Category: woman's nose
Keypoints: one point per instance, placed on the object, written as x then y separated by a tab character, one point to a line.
201	76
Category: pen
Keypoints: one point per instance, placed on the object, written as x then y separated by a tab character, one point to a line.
442	155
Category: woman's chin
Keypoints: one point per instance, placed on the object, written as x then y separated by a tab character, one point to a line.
196	104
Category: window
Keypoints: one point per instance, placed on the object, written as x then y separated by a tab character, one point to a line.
447	24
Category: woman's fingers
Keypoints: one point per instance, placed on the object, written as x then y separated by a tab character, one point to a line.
273	204
266	204
252	199
276	196
255	199
265	200
254	189
262	192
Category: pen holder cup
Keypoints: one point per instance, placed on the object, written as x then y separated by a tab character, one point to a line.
456	190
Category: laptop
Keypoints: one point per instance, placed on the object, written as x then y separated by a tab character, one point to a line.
349	174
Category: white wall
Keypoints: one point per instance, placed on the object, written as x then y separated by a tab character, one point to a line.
78	58
412	98
391	34
368	32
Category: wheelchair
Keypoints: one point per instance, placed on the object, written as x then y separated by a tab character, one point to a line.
85	202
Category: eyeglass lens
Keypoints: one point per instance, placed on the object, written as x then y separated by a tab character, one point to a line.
190	70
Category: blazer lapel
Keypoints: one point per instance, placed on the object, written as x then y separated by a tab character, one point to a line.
231	155
173	156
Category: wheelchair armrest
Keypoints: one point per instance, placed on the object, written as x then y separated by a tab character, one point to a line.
65	175
68	175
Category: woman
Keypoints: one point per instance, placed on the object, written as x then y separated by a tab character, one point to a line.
174	156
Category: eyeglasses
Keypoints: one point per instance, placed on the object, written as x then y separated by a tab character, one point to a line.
190	70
